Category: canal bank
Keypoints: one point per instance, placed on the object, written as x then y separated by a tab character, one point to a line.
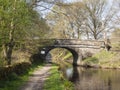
92	78
99	72
103	59
56	80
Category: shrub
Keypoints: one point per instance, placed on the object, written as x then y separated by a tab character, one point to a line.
36	58
13	76
21	68
14	70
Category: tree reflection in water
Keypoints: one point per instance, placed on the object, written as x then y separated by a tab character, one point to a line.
94	79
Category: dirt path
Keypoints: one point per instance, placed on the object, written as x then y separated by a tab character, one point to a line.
37	79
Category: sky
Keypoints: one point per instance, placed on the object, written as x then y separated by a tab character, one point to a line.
44	11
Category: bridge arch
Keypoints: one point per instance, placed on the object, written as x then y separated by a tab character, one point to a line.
47	49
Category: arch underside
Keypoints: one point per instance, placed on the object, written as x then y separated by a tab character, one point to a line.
74	53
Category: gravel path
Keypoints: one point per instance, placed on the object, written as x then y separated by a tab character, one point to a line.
37	79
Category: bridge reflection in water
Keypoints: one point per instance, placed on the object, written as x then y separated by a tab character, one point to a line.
93	79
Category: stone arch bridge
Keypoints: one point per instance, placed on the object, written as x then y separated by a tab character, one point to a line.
79	48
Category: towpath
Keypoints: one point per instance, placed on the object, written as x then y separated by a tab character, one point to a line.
36	80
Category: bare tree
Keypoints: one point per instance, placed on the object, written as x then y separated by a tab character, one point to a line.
91	18
69	19
58	23
75	17
117	18
99	16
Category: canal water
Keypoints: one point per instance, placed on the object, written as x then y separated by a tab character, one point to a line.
92	79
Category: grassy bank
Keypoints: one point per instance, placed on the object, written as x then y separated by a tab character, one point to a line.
104	59
14	81
56	81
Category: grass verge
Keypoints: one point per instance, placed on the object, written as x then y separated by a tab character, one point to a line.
104	59
15	81
56	81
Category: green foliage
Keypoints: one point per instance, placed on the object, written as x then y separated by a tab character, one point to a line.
2	62
26	21
68	56
13	76
91	60
14	19
14	81
36	59
19	25
104	59
54	82
14	15
18	69
68	85
60	54
104	55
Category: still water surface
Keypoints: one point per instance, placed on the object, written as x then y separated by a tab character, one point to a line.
92	79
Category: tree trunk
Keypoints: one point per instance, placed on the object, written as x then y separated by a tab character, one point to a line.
8	48
10	45
95	36
9	53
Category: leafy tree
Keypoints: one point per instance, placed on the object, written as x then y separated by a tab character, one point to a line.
14	16
18	23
